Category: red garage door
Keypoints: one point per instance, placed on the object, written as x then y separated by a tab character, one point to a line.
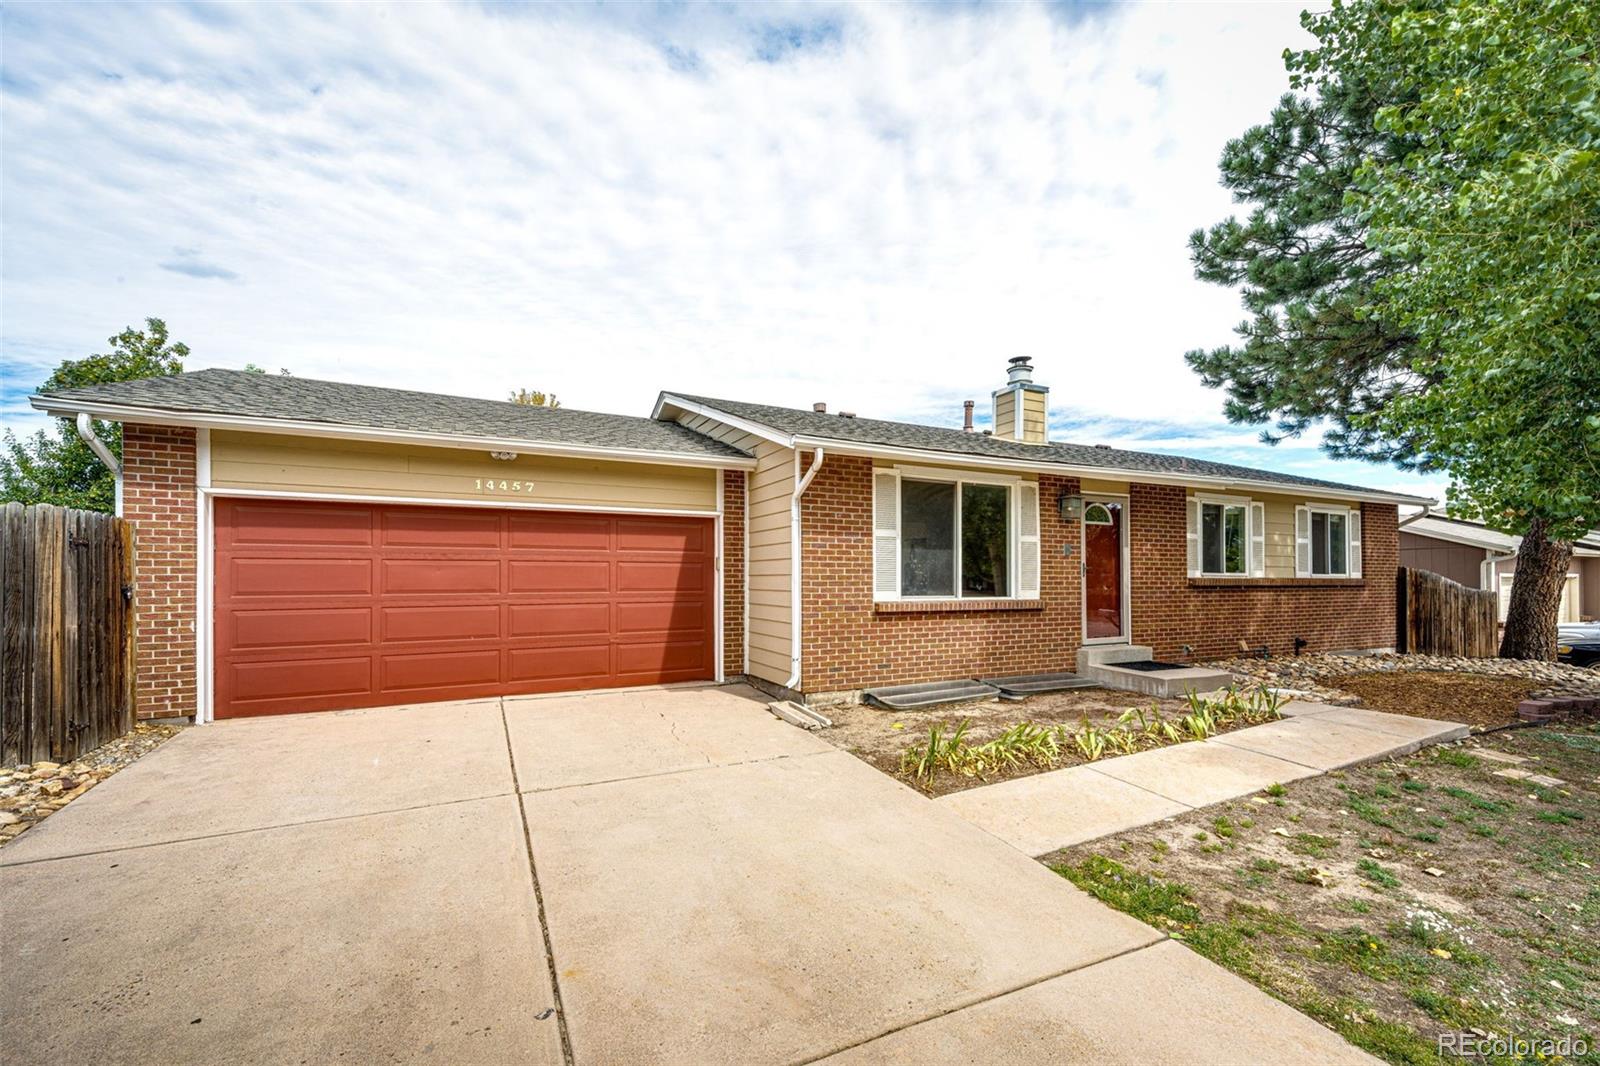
326	606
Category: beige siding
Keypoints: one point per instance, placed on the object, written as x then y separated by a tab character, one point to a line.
368	468
1034	429
1005	415
768	588
1089	486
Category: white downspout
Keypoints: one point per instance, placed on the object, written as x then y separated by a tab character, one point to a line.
794	559
85	426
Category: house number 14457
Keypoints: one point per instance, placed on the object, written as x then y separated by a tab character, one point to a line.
489	484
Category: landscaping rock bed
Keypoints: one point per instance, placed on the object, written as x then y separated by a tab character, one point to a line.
31	792
1481	692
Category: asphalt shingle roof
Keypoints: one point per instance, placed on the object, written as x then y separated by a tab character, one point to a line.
792	421
273	396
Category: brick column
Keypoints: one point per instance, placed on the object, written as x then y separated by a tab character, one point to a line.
733	509
158	498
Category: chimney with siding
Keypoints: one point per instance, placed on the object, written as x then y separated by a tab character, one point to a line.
1021	407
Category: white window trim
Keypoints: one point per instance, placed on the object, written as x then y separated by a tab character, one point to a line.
957	478
1249	533
1350	548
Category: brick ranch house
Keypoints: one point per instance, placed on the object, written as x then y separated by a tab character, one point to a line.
306	545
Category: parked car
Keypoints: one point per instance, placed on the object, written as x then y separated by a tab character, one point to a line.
1578	643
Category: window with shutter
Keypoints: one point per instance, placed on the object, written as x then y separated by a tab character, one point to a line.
1028	541
1302	542
886	534
1355	543
1258	540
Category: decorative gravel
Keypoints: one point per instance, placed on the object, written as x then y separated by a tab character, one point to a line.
31	792
1316	677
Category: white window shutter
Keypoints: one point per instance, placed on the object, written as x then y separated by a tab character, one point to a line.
1028	541
1353	524
885	534
1194	537
1302	542
1258	540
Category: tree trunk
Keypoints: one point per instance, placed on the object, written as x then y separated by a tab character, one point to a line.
1536	595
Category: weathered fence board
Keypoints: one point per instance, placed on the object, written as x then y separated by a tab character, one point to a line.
1437	616
66	632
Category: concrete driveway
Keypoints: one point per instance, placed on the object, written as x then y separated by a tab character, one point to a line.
664	876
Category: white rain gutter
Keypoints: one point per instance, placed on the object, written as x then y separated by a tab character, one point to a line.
794	561
1491	567
1417	517
85	426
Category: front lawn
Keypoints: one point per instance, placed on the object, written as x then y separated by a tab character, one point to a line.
1397	901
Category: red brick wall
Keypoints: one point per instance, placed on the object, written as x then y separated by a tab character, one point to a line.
848	644
158	497
733	573
1213	615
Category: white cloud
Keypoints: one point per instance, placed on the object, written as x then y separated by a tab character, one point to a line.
604	203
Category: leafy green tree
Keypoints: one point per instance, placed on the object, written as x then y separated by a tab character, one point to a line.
60	468
1498	207
1373	307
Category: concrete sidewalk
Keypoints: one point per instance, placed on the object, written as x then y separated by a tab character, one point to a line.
1054	810
649	877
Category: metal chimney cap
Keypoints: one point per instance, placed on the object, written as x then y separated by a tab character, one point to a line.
1019	369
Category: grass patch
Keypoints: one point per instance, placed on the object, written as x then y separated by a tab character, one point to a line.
1370	870
1312	846
1477	802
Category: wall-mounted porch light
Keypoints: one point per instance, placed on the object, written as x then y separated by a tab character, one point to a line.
1071	507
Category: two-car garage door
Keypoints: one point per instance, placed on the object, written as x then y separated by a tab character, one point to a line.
323	606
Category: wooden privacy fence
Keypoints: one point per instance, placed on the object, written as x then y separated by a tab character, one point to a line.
1437	616
66	632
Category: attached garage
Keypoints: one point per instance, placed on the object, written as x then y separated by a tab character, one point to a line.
322	606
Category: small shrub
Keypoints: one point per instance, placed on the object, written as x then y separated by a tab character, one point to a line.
1276	791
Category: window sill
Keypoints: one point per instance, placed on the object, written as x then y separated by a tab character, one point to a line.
1275	582
953	606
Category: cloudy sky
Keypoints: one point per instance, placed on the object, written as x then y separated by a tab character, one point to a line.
869	205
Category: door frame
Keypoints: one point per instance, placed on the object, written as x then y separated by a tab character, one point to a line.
1125	566
205	608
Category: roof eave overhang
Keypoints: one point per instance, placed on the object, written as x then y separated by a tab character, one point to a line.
756	429
207	420
1147	477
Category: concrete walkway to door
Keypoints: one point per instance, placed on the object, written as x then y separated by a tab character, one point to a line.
662	876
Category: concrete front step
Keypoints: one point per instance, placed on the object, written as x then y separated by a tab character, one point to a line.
1165	684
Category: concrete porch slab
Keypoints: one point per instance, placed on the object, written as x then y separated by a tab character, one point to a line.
1159	1005
776	911
1200	774
584	739
390	938
297	768
1315	741
1059	808
1163	684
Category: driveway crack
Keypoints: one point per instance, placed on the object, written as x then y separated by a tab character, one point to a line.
538	896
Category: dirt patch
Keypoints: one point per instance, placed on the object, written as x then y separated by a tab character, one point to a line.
1394	902
880	737
1478	701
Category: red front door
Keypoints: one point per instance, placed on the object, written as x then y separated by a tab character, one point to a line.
1102	569
324	606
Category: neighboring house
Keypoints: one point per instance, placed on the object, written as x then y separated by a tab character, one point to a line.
1477	556
307	545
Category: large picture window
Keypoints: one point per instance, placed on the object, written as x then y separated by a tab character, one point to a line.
1224	538
955	539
